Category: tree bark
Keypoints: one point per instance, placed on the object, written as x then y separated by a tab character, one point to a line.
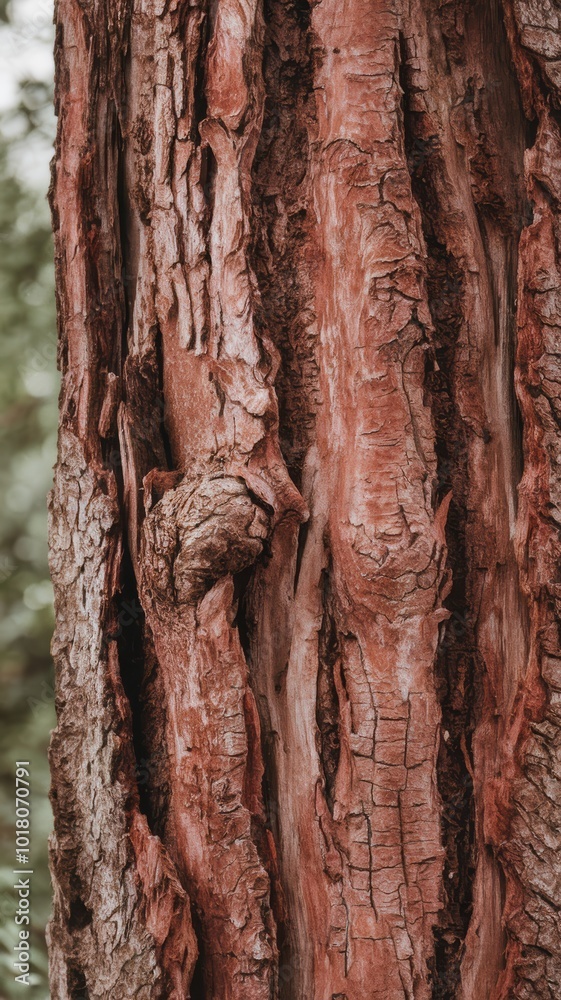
305	521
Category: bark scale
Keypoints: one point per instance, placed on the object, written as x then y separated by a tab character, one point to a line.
305	517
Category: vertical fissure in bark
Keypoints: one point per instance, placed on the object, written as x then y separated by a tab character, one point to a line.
283	259
496	167
281	252
130	635
200	103
328	714
242	621
209	169
257	795
138	442
76	982
454	666
208	162
167	465
197	985
127	614
466	165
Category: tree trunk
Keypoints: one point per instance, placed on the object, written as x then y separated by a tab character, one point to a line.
305	521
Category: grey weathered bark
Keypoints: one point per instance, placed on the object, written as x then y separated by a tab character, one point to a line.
305	522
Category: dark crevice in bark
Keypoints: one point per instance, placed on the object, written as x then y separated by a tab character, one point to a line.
327	705
272	806
302	10
162	435
262	819
154	768
454	667
130	644
142	395
242	582
128	277
504	310
76	983
280	255
500	199
282	258
197	989
100	228
80	915
209	168
199	91
302	538
455	664
492	128
531	134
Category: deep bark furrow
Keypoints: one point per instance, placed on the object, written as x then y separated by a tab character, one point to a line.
476	213
456	652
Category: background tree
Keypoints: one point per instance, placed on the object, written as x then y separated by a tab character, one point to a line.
305	518
28	421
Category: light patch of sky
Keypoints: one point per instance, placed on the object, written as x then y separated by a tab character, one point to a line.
26	53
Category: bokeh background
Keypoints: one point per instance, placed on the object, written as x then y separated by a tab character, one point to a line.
28	398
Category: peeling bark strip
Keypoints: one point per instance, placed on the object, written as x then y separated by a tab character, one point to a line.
305	521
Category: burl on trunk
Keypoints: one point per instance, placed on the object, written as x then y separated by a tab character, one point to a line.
305	522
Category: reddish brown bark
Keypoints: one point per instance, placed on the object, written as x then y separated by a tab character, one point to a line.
305	516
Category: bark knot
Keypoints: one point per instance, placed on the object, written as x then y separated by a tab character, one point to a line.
202	530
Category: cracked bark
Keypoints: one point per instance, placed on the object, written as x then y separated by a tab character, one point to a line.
305	521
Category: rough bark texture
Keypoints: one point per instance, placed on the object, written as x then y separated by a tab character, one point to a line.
305	522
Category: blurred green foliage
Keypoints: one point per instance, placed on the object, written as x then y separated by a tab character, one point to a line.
28	413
